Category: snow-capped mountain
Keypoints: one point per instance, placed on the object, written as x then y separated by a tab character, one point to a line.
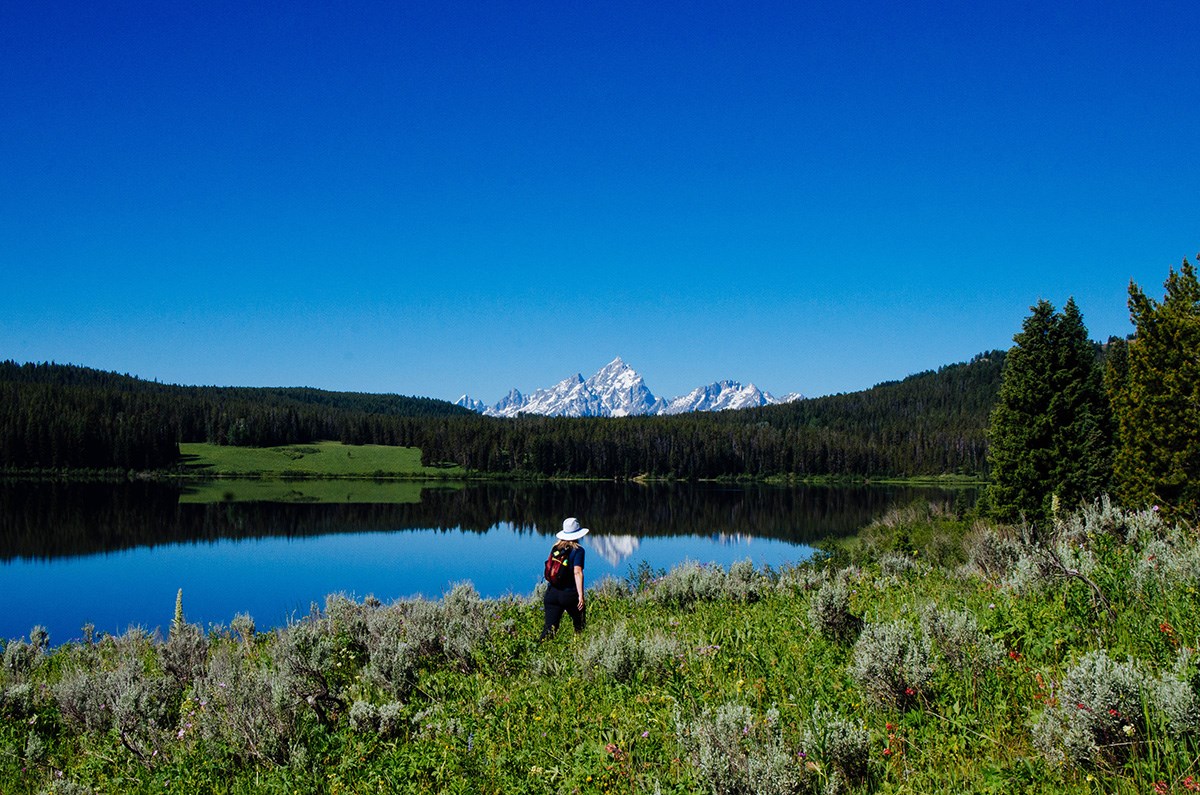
718	397
468	402
617	390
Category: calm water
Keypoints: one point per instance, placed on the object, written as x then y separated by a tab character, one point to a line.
115	555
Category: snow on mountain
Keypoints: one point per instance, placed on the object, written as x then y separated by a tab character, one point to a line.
617	390
720	396
468	402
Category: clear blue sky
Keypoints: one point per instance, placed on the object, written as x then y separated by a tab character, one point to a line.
438	198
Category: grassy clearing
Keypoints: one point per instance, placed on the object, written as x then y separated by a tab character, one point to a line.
929	655
320	459
330	491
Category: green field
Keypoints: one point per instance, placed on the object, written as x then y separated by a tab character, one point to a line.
324	490
317	460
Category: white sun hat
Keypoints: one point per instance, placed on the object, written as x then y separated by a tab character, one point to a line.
571	530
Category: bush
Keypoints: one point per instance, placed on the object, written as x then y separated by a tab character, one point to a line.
687	584
842	747
21	658
185	653
743	583
734	753
1099	714
141	707
623	656
242	709
960	641
829	612
991	554
891	663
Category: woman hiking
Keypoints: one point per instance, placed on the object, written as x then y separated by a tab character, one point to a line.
564	573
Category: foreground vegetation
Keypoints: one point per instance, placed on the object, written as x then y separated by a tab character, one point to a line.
929	654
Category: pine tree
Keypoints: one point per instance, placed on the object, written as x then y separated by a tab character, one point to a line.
1048	433
1157	407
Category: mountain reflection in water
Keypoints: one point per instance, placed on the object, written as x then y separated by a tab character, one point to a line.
40	520
116	555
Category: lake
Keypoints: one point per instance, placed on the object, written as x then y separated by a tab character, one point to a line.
115	555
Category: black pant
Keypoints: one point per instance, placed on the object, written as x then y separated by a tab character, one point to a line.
555	602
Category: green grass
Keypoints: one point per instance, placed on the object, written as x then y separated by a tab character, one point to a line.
481	707
320	459
324	490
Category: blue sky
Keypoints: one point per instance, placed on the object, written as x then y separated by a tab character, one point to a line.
438	198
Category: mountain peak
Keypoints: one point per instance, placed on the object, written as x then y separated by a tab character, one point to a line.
617	390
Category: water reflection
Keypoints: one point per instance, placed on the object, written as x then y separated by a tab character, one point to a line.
614	549
50	520
115	555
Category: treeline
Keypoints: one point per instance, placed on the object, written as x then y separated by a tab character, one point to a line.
67	417
928	424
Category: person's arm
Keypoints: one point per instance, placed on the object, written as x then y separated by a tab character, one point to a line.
579	584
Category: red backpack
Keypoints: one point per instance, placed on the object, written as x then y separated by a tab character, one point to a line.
558	568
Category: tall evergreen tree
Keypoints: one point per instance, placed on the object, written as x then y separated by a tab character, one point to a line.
1158	408
1047	433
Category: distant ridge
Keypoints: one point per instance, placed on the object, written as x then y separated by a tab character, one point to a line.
617	390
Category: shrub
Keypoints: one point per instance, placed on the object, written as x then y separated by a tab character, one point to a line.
1098	717
891	663
829	612
841	746
21	658
140	707
391	660
898	566
622	655
242	709
1175	696
243	625
1102	518
734	753
743	583
991	554
307	656
185	653
687	584
960	641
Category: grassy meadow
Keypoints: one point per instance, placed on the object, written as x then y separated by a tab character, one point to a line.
316	460
929	654
339	490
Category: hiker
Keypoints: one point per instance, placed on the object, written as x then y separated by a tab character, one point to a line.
564	575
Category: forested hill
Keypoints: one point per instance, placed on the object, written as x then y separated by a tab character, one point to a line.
931	423
61	417
65	416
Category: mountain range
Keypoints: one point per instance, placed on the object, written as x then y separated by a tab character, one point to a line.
617	390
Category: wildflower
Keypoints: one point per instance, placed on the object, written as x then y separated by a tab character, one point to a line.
889	727
1014	655
645	734
887	751
991	605
908	691
1161	786
1128	729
